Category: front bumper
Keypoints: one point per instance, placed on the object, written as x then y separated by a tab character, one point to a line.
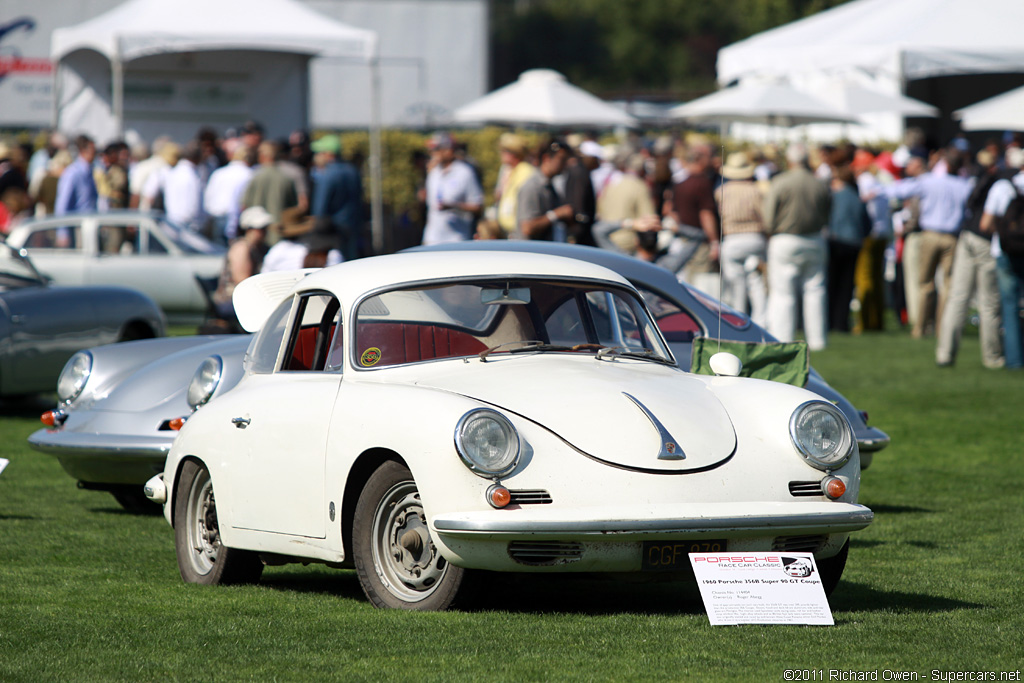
871	440
105	458
611	538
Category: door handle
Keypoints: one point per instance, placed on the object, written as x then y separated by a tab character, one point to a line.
18	319
240	422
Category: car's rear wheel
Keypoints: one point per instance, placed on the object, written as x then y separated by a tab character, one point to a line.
202	557
831	569
396	560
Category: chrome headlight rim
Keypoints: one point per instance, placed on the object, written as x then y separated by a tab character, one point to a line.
205	381
74	377
810	458
514	445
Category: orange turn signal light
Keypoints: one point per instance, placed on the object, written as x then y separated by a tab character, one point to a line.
833	487
49	418
177	423
498	496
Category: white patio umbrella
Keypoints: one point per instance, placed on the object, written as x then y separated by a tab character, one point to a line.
1002	112
772	104
856	99
545	97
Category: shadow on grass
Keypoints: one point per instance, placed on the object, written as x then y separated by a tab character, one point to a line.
859	597
896	509
523	593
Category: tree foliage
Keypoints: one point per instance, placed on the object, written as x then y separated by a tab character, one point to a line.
620	48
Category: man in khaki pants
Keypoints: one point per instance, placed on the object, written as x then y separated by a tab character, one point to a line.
943	195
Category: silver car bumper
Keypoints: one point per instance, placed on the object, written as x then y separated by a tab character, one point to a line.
105	458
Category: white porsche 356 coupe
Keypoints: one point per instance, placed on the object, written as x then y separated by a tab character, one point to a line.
423	415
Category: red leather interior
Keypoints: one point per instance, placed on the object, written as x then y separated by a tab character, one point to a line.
407	343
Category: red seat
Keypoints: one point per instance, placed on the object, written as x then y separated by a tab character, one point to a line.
408	342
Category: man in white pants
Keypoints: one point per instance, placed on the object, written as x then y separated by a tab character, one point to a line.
796	211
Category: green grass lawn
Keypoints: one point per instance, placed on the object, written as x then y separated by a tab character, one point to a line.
88	592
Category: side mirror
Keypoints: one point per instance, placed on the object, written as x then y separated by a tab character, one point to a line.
725	364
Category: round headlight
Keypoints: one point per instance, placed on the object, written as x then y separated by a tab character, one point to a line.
487	443
822	435
205	381
74	377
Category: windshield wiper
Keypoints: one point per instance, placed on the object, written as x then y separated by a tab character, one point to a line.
526	345
632	352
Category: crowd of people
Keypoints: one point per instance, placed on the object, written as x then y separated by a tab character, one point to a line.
823	239
276	204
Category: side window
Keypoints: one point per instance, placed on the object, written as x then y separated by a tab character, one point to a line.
153	245
313	329
675	324
66	238
119	240
261	357
565	325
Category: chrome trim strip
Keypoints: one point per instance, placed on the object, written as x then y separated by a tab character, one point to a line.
852	519
670	449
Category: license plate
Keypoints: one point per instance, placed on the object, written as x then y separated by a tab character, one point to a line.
673	556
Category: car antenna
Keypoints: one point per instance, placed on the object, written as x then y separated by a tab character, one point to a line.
721	212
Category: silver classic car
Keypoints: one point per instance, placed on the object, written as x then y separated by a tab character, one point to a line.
42	326
113	425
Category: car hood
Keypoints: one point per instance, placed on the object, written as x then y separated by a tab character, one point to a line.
163	383
633	414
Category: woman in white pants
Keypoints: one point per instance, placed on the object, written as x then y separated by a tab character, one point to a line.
744	246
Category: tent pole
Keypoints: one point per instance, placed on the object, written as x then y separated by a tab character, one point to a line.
376	172
55	109
117	74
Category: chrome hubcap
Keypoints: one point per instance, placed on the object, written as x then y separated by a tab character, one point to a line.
203	531
404	556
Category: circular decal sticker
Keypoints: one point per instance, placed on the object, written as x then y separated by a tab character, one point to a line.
370	356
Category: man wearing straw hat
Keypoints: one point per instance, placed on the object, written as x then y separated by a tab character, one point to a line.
744	245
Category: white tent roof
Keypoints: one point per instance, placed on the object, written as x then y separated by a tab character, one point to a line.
1002	112
543	96
774	104
140	28
909	38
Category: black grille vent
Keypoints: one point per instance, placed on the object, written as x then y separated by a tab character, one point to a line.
544	553
530	496
805	488
798	544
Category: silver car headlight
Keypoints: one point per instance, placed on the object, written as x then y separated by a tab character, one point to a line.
74	377
822	435
487	443
205	381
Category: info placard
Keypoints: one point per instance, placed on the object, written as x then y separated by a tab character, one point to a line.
761	588
3	463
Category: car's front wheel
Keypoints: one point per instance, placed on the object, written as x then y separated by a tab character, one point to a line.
397	562
202	557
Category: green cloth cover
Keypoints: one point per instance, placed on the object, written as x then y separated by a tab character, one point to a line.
787	362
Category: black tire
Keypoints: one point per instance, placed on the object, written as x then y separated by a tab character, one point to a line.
831	569
398	565
202	558
136	502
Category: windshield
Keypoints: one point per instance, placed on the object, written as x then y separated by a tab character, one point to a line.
189	242
16	271
486	318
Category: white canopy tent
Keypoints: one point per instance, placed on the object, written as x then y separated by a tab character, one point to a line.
999	113
543	97
161	67
884	44
247	57
772	104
